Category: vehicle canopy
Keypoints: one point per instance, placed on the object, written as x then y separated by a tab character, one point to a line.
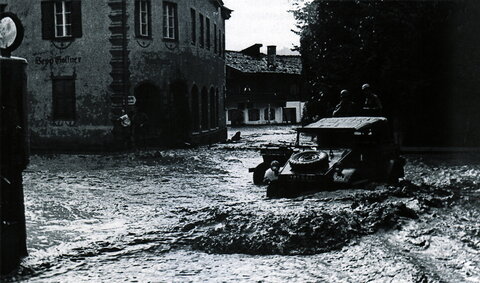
347	131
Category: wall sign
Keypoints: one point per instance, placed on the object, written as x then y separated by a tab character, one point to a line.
57	60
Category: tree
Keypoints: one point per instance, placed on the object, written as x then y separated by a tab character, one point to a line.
402	48
388	44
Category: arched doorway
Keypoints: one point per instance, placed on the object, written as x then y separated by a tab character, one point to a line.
213	110
150	118
204	111
180	125
195	106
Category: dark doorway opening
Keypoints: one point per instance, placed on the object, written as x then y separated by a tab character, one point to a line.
195	109
149	120
290	115
180	126
204	112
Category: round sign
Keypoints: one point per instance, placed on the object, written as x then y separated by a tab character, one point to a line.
11	33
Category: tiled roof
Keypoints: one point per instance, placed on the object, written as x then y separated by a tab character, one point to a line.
285	64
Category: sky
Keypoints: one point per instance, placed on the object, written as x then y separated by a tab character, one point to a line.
260	21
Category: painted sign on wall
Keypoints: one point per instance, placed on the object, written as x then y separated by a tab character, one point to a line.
57	60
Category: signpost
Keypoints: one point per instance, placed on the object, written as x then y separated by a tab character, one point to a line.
14	146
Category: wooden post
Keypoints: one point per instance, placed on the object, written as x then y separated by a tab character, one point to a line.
14	159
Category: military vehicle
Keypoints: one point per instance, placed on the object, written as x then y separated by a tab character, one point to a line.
338	153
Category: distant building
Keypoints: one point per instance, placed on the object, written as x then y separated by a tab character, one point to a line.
90	62
263	89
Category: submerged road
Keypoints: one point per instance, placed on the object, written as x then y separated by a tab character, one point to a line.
194	215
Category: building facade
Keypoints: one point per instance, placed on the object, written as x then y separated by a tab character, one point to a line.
263	88
91	62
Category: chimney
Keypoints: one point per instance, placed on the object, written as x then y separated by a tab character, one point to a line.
271	55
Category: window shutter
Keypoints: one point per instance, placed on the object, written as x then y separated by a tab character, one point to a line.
76	18
48	29
137	17
175	15
149	4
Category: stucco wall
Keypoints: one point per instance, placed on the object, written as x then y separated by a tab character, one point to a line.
86	58
89	58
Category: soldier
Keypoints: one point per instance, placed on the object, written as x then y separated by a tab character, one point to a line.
347	106
272	173
370	103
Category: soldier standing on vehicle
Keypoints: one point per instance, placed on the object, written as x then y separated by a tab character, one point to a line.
346	107
370	103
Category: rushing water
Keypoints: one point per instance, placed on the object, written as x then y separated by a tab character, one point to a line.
194	215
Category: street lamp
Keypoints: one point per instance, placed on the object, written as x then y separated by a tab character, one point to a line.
11	33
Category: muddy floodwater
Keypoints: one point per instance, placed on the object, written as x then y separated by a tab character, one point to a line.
194	215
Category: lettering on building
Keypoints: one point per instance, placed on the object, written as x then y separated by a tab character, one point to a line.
57	60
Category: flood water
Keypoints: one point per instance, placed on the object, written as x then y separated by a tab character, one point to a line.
194	215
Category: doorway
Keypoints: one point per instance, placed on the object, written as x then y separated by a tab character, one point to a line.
149	120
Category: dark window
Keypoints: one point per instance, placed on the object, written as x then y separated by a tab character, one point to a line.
2	7
231	114
143	18
223	45
219	43
215	45
290	115
63	98
202	30
207	24
193	18
61	19
253	114
170	21
272	114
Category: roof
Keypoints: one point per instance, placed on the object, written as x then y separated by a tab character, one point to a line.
343	123
226	13
284	64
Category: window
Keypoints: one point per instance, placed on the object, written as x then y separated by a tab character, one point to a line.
170	22
231	114
193	18
253	114
223	46
2	7
63	16
63	98
270	117
207	24
61	20
215	38
202	30
143	18
290	115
